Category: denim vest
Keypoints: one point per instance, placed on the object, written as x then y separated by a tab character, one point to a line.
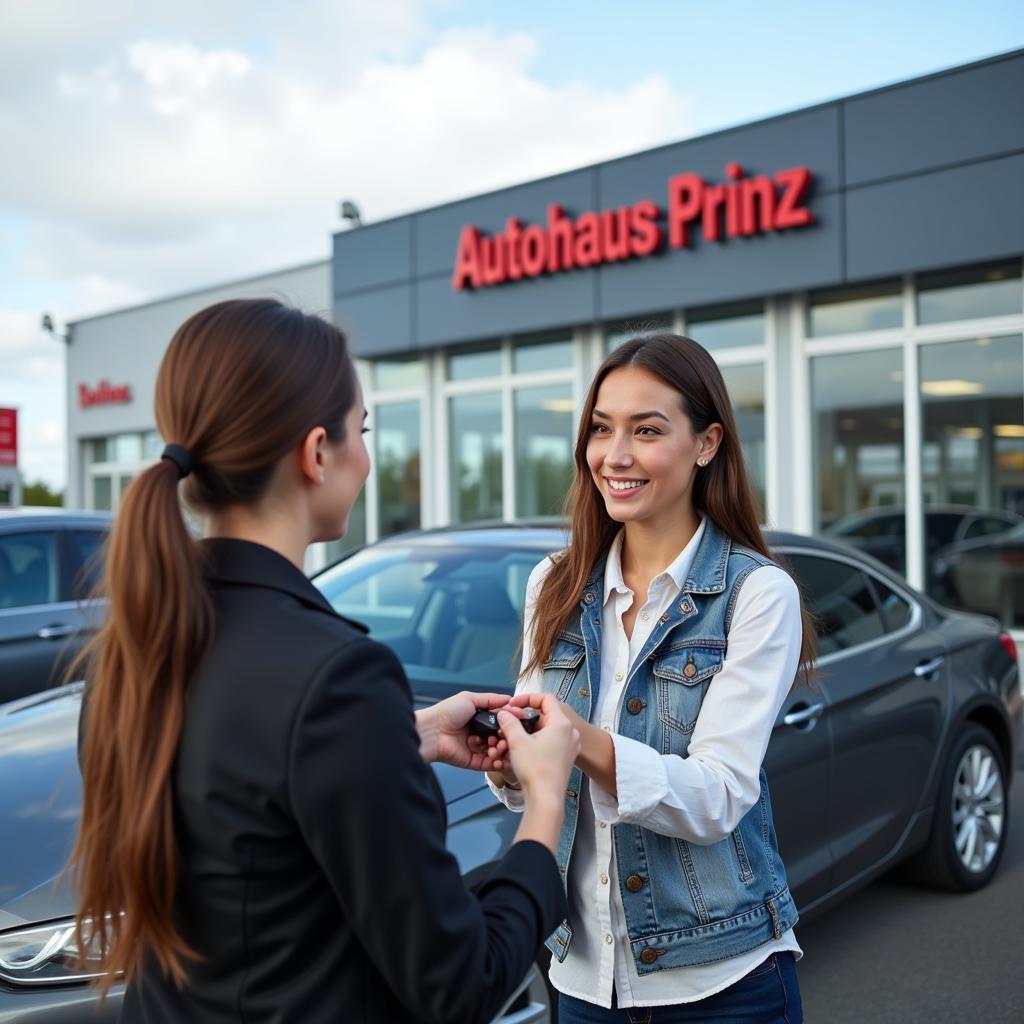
684	903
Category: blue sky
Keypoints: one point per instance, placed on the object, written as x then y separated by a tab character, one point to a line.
167	146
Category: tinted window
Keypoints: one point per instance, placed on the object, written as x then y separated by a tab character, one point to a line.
86	560
839	598
896	610
942	527
986	527
449	613
28	569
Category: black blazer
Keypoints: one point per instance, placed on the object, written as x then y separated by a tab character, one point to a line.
314	879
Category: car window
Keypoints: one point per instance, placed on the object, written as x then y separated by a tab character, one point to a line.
941	528
86	560
896	611
873	526
28	569
839	598
986	526
450	613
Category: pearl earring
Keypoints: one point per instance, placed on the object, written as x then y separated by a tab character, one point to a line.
702	462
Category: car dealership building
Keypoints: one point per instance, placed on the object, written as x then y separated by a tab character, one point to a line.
854	267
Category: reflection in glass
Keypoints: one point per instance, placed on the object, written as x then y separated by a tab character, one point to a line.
549	352
855	309
392	374
624	330
100	450
128	448
746	389
397	441
472	365
152	445
972	400
102	497
544	462
857	401
475	462
727	326
962	294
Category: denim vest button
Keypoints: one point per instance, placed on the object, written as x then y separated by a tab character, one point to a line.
634	884
635	705
648	956
588	598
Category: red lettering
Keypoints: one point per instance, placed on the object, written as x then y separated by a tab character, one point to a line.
753	219
732	200
513	234
790	214
467	260
587	251
714	197
560	239
685	197
535	250
492	259
646	235
615	235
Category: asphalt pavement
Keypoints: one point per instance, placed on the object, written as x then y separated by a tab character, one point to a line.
894	953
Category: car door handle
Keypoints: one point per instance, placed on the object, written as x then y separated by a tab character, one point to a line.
54	632
927	668
804	715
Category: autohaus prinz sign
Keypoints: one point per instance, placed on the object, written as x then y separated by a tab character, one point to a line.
739	207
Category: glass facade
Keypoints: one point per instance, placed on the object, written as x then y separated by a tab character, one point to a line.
397	443
727	326
546	352
969	294
544	444
476	454
857	402
745	383
853	310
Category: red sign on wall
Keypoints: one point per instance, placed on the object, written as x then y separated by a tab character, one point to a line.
104	393
739	208
8	437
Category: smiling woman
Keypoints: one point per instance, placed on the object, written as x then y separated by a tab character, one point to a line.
673	639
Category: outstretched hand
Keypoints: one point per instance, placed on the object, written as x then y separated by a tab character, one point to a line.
444	736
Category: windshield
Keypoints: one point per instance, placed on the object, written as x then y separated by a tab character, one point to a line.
452	614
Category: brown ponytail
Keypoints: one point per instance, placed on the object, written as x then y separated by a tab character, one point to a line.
240	386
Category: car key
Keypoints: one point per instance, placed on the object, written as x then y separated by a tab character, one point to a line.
485	723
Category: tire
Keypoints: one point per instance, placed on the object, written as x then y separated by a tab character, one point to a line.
971	817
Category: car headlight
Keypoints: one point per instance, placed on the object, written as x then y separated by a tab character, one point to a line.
46	954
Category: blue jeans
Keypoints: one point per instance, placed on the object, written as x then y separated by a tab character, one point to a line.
769	994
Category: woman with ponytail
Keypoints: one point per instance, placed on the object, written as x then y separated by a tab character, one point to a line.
672	638
261	837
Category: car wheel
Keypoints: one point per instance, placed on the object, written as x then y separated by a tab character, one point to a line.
971	817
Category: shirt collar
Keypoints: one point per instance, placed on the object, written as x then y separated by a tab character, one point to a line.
677	570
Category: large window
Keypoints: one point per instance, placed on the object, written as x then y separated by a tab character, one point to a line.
745	383
721	327
543	436
968	294
113	462
857	402
972	401
397	444
475	461
852	310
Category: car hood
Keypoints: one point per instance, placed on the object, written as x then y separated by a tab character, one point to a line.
41	798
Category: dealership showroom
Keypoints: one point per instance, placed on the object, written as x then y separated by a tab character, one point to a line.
854	267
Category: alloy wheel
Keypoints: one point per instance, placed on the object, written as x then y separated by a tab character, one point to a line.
979	808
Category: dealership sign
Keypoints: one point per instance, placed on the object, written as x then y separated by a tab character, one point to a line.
8	437
104	393
738	208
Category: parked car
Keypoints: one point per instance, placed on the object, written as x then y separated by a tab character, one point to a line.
986	575
881	533
48	564
901	752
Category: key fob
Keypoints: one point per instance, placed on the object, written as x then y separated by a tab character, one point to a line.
485	723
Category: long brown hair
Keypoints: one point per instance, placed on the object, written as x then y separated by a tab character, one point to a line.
721	491
240	386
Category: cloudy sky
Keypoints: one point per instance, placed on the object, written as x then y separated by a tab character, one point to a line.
153	147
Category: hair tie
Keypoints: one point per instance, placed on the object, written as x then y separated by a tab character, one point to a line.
181	457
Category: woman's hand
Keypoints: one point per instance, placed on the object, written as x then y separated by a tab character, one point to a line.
541	761
444	737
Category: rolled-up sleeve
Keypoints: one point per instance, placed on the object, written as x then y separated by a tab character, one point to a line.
702	797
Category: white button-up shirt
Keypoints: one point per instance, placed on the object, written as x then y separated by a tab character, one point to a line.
700	798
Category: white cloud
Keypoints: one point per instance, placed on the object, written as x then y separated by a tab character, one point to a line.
202	142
